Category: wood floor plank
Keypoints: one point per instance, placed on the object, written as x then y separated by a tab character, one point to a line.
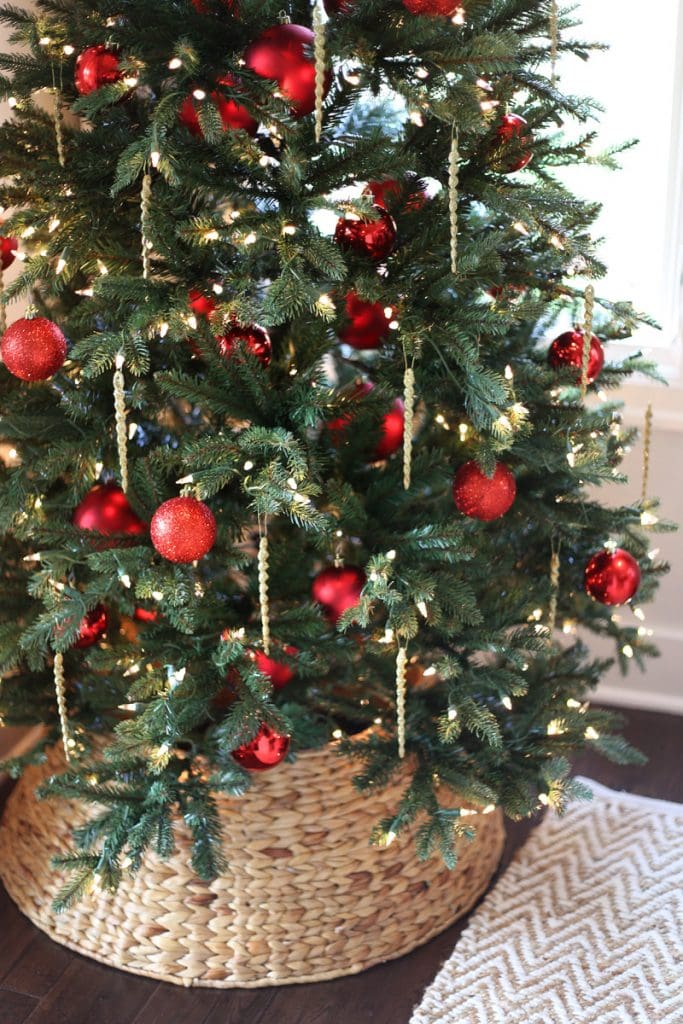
16	934
169	1004
14	1007
39	967
89	993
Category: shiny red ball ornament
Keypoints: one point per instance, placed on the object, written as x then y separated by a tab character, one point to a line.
512	151
337	589
202	304
284	54
276	671
375	239
33	349
267	750
432	8
255	339
8	250
183	530
612	577
481	497
95	67
405	196
93	627
106	509
567	350
234	116
367	323
392	426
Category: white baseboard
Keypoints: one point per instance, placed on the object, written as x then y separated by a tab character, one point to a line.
641	698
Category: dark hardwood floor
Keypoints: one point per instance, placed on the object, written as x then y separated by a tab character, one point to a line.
41	983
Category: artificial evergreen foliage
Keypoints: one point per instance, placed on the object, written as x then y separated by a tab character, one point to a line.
496	700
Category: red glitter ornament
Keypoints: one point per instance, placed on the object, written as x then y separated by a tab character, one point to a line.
612	577
512	149
367	323
183	530
234	116
201	304
432	8
279	673
392	426
284	53
375	239
337	589
8	250
265	751
93	627
106	509
95	67
567	350
481	497
255	339
33	349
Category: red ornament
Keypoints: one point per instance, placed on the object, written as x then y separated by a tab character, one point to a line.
512	150
338	6
392	426
202	8
233	115
93	627
390	194
106	509
145	615
567	350
183	530
202	304
432	8
95	67
278	672
479	497
337	589
284	53
8	249
612	577
368	323
255	339
33	349
375	239
265	751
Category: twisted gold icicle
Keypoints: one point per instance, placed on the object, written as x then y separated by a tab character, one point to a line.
320	67
453	184
587	338
647	450
144	223
554	587
60	690
59	133
401	666
3	307
121	428
264	597
554	40
409	417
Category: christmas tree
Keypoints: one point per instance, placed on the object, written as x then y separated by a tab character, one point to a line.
304	425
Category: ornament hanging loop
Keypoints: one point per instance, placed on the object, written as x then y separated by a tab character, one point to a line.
263	580
587	338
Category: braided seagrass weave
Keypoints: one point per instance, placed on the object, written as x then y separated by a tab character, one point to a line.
306	898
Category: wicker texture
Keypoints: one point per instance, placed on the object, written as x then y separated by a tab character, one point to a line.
306	897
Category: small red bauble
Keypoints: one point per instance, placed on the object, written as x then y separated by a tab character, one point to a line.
338	6
233	115
481	497
93	627
8	251
367	323
278	672
567	350
512	151
95	67
201	7
337	589
392	425
183	530
145	615
612	577
284	53
202	304
265	751
255	339
33	349
375	239
432	8
106	509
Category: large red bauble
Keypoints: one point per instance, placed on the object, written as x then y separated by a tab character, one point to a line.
283	53
432	8
33	349
93	627
183	530
612	577
367	323
512	151
481	497
265	751
337	589
278	672
106	509
567	350
95	67
202	304
392	426
375	239
254	338
8	251
233	115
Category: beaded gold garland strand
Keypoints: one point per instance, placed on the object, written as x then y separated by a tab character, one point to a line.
146	200
60	690
263	578
454	198
401	685
587	338
554	586
319	48
647	450
554	40
121	426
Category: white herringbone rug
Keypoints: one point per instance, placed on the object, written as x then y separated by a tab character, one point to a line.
585	927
